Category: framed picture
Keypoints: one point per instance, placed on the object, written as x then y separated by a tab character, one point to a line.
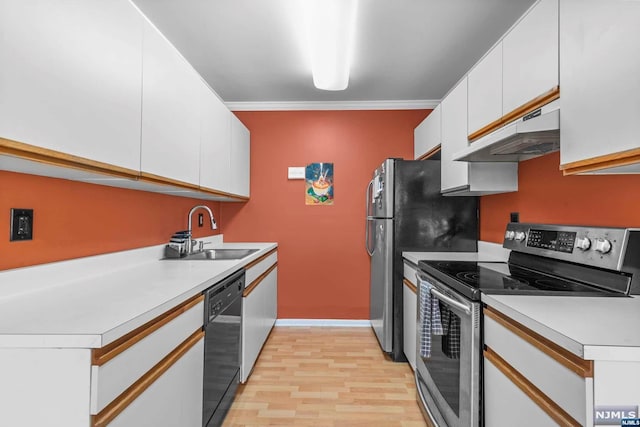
319	184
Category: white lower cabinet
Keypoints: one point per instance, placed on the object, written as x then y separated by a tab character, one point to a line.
543	383
410	310
174	399
152	376
520	410
259	310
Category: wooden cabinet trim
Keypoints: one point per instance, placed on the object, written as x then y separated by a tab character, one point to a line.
260	259
410	285
57	158
157	179
430	153
248	289
622	158
121	402
583	368
100	356
538	397
223	194
522	110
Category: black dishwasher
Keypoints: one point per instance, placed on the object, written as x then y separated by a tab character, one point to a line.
222	326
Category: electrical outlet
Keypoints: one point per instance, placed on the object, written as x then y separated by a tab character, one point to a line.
515	216
21	224
200	220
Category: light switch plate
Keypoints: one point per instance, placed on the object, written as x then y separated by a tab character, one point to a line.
296	172
21	224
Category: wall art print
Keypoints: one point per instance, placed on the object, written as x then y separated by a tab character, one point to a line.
319	184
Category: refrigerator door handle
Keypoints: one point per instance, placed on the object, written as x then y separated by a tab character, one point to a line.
369	198
367	234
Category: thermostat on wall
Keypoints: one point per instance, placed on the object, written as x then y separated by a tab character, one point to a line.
296	172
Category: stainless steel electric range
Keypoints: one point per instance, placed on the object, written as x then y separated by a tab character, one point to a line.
544	260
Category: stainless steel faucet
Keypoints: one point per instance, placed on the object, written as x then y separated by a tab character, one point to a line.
214	226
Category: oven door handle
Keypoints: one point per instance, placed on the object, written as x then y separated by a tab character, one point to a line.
450	301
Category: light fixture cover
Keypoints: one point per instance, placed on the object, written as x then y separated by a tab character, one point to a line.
331	33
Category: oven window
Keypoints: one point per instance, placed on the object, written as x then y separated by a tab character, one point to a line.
444	363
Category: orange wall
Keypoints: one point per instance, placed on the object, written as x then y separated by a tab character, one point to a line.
323	267
74	219
546	196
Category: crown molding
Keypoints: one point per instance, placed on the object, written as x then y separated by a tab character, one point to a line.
417	104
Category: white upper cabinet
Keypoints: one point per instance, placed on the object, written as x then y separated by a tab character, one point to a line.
599	69
426	136
463	178
454	174
240	157
485	91
215	142
70	79
530	56
170	111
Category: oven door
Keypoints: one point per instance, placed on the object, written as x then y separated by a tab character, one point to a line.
448	381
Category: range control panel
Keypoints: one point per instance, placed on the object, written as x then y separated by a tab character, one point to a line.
597	246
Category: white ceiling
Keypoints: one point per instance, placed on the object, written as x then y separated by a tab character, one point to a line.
249	51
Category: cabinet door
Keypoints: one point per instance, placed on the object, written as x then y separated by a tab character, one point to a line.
485	91
271	301
409	321
599	78
215	142
174	399
454	138
252	327
506	405
240	157
530	56
170	111
426	137
70	79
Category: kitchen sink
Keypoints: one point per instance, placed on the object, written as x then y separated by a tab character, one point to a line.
217	254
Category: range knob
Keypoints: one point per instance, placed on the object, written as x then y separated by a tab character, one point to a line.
520	236
583	243
509	235
602	245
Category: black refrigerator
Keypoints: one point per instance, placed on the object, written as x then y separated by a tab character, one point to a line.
407	213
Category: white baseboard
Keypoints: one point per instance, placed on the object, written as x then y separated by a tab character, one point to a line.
324	322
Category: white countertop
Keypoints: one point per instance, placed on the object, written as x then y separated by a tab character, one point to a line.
87	310
594	328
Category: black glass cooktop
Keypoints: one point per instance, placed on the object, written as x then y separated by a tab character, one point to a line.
472	278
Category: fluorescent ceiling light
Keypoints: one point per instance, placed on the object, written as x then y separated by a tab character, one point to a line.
331	25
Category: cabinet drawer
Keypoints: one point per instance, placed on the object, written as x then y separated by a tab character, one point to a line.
410	273
565	378
259	266
120	364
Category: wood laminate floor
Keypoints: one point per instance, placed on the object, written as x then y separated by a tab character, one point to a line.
326	377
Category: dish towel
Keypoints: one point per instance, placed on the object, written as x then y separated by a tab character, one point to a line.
451	332
429	322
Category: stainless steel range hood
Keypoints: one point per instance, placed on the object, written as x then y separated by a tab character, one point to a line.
533	135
